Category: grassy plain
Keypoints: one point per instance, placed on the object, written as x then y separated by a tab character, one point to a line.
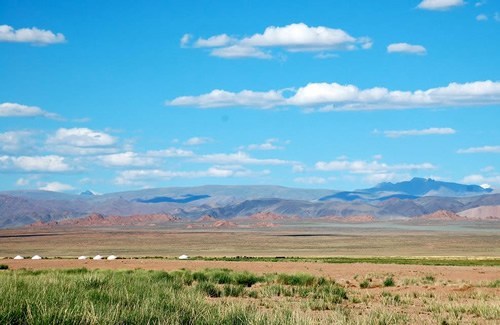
291	273
223	296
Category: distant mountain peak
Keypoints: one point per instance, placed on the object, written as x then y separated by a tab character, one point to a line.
419	186
87	192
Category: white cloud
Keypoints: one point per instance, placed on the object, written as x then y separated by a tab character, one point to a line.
19	110
196	141
300	37
377	178
297	37
368	167
406	48
239	158
480	3
336	97
185	39
81	141
440	4
170	153
484	149
269	144
238	51
481	179
126	159
50	163
326	55
143	176
214	41
222	98
298	168
311	180
81	137
29	35
481	17
56	187
13	141
429	131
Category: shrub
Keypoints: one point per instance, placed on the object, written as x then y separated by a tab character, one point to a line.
222	276
365	284
248	279
233	290
429	279
389	282
296	279
209	289
4	267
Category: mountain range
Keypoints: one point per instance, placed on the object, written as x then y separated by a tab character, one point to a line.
407	199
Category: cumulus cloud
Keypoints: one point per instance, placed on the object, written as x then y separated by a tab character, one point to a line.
238	51
269	144
143	176
368	167
214	41
297	37
19	110
429	131
49	163
440	4
406	48
81	141
170	153
481	179
124	159
239	158
221	98
56	187
484	149
196	141
30	35
81	137
336	97
14	141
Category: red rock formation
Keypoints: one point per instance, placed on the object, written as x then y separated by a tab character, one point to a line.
442	215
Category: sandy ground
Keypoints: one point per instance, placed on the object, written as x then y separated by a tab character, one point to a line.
335	271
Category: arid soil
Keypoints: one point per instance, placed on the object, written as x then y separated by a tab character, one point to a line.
336	271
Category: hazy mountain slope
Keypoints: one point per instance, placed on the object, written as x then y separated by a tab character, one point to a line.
482	212
19	208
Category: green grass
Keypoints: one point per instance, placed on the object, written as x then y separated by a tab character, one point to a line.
82	296
436	261
364	284
389	282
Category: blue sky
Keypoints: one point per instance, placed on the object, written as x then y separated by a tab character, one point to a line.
121	95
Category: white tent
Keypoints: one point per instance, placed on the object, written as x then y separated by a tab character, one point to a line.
19	257
112	257
183	257
97	257
36	257
82	257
